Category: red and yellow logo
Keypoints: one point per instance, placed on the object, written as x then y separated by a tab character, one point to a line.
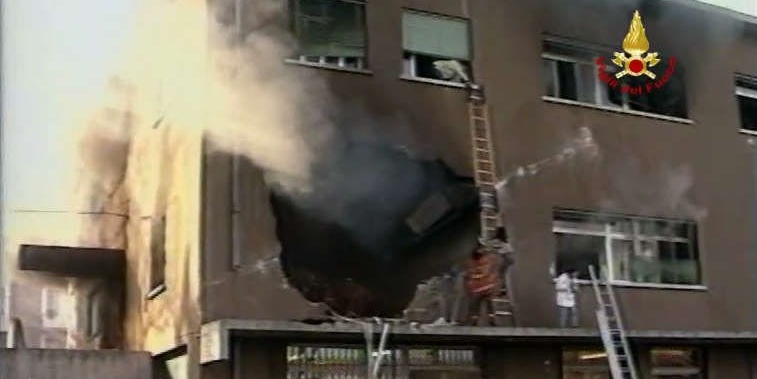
635	60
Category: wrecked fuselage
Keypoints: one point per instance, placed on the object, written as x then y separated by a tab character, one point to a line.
369	263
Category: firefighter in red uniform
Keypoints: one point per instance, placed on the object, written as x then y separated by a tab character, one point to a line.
482	282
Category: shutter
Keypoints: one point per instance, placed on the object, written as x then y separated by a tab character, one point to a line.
435	35
330	28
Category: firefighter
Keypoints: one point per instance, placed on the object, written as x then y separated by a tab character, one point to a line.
482	283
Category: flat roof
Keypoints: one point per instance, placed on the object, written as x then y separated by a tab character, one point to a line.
215	335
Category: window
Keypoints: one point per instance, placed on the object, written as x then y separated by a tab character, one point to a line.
746	95
157	256
315	361
435	47
57	308
635	249
570	73
330	32
677	363
94	313
584	363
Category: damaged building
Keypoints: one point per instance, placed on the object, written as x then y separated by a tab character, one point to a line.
208	258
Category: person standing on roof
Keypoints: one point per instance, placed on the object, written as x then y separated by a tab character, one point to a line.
566	288
482	282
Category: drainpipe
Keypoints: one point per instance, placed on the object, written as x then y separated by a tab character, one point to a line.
236	243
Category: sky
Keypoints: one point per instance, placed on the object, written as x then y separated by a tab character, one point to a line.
743	6
56	57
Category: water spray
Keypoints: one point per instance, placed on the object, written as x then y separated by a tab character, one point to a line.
583	143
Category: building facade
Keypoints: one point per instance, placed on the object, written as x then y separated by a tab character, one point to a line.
671	162
226	278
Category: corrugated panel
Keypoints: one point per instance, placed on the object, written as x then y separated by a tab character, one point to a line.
54	364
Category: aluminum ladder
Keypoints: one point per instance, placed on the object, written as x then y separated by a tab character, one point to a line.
611	329
485	175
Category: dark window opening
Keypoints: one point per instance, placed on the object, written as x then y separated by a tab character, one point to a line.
157	256
746	95
571	73
584	363
668	99
677	363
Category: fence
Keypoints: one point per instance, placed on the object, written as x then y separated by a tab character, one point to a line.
350	362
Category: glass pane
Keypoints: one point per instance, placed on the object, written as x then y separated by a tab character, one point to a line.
622	226
585	364
748	112
329	28
587	83
578	252
581	221
675	357
566	73
549	74
645	266
435	35
668	265
622	255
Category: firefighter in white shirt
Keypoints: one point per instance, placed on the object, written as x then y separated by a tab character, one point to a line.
566	288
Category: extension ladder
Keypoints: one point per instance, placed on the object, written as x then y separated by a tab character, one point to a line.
485	175
611	329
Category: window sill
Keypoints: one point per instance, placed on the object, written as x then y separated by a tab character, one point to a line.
617	110
329	67
156	291
432	81
662	286
748	132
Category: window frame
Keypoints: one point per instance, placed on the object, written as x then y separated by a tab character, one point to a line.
607	257
594	50
409	71
741	89
661	372
597	84
158	258
585	369
361	65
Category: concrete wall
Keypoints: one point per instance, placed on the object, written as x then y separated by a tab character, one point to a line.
64	364
637	151
163	178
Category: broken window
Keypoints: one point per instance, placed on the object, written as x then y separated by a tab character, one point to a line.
677	363
669	99
435	47
157	256
351	361
330	32
570	73
746	95
629	249
584	363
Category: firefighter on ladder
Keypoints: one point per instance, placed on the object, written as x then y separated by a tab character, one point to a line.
484	282
485	278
